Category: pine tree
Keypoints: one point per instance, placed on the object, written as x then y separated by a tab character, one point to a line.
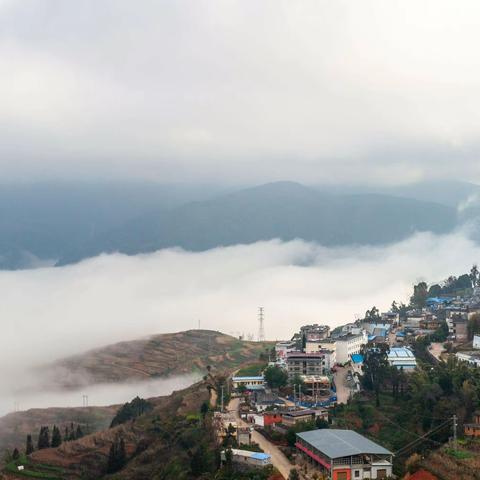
44	438
16	454
56	437
117	456
29	447
79	432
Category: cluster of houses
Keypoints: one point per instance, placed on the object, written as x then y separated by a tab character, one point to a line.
314	354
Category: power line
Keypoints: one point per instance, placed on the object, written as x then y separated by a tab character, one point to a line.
423	437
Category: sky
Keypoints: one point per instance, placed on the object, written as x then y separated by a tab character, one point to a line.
240	91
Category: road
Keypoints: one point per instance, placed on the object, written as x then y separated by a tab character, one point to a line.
279	460
343	391
436	349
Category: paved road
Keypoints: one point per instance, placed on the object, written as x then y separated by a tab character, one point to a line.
279	460
343	391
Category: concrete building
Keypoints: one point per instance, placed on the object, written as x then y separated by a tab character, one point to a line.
245	458
473	358
250	383
476	341
457	327
473	429
392	318
300	363
345	454
282	349
349	345
296	416
402	358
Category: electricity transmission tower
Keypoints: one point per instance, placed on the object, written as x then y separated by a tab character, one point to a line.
261	329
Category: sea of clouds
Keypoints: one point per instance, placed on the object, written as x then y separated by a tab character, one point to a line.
49	313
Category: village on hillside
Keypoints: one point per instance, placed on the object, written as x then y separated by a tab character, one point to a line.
293	411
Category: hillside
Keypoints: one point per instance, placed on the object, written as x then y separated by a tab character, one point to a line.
157	356
151	439
15	427
283	210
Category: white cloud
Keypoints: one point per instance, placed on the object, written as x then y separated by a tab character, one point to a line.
52	312
317	90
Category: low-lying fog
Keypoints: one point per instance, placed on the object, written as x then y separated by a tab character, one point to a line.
50	313
98	395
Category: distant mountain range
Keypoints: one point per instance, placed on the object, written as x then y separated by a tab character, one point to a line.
68	223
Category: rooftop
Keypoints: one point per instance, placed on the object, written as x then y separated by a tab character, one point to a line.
299	413
246	379
249	454
342	443
357	358
400	352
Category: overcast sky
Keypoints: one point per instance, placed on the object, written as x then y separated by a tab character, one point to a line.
379	91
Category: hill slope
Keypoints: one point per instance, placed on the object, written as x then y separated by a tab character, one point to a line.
157	356
283	210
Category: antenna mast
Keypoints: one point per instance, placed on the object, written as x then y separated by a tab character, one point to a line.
261	330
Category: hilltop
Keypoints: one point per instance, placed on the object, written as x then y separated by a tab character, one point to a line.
157	356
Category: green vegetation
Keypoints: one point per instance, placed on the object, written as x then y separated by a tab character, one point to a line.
276	377
252	370
33	470
130	410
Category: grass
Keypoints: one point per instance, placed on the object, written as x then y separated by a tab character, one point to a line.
34	470
458	454
252	370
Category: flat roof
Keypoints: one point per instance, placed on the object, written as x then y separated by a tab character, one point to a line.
342	443
244	379
400	352
299	413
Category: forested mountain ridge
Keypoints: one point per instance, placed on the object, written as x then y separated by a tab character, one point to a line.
282	210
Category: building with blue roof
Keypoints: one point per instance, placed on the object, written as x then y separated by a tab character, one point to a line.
249	459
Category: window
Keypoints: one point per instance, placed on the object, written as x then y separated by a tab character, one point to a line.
357	474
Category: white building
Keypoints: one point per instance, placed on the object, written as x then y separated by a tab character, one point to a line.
250	383
283	348
476	341
249	459
473	358
349	345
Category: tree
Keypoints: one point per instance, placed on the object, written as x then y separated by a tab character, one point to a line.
15	454
275	377
130	410
376	368
373	315
44	438
420	295
293	475
204	409
473	326
474	276
79	432
291	437
56	437
117	456
298	383
199	462
29	447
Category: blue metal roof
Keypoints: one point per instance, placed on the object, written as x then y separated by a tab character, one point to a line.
357	358
260	456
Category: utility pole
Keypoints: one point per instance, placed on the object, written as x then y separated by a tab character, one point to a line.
222	399
455	432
